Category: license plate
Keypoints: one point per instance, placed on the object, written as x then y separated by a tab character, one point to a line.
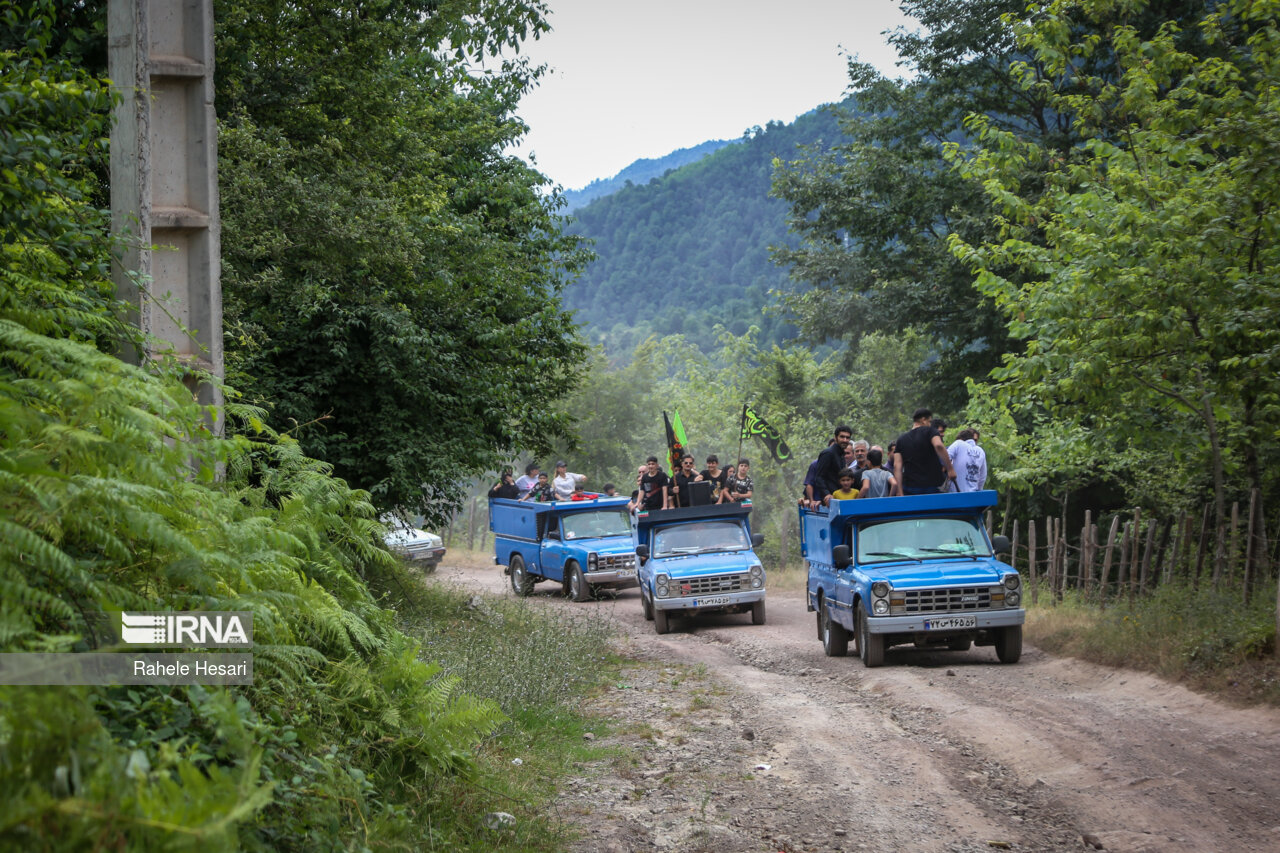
711	602
945	623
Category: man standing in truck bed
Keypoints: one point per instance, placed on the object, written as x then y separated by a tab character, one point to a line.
920	460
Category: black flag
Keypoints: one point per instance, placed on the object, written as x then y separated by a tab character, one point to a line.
754	425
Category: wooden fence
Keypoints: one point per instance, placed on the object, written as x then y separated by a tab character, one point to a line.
1129	554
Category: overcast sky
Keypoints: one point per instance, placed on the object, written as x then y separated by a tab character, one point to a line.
632	80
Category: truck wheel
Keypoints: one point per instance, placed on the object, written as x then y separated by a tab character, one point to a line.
647	605
660	624
1009	644
521	583
820	617
835	639
870	646
579	589
757	613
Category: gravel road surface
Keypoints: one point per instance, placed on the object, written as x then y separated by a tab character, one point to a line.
737	737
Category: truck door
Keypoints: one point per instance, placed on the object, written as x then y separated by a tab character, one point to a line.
553	550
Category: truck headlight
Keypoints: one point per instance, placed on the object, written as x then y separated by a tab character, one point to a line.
1012	581
660	586
880	606
880	589
593	560
1012	599
757	577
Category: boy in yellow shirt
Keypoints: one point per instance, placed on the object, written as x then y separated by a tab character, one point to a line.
847	491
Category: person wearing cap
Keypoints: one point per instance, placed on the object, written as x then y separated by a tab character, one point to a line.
564	482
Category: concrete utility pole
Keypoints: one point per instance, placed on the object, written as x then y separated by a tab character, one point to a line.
164	179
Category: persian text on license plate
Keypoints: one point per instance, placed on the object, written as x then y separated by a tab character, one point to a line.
946	623
715	601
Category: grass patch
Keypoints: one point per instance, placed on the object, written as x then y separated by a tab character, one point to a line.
538	667
1208	640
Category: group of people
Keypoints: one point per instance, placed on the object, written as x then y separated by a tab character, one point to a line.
655	489
535	485
918	462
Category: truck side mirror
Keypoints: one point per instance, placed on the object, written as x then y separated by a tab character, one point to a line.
841	557
553	533
757	539
1000	544
642	551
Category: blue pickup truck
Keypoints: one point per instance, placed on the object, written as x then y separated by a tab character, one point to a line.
585	546
699	559
919	569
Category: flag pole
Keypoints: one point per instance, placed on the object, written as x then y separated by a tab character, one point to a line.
742	426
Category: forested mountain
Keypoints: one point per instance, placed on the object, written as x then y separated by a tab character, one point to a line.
691	248
641	172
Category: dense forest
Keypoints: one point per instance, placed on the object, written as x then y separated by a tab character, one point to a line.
690	249
1060	230
640	172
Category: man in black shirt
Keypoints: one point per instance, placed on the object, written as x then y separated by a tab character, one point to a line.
682	479
831	461
716	476
920	460
653	486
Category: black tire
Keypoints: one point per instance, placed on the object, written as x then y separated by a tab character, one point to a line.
835	639
660	623
521	582
818	618
579	589
647	605
757	613
870	646
1009	644
959	645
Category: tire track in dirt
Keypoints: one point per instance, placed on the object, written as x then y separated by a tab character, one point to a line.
936	751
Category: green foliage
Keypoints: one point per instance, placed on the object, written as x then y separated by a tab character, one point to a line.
1141	278
110	499
690	249
391	278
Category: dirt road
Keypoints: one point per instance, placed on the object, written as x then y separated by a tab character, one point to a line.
746	738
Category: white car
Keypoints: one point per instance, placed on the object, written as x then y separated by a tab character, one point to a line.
417	546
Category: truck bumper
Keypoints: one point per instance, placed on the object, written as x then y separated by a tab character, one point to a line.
709	602
915	624
620	579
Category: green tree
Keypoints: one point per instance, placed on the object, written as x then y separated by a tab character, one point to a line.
391	278
1146	271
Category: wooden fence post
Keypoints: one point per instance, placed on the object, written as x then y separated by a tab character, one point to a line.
1031	562
1106	561
1013	549
1147	553
1051	528
1086	565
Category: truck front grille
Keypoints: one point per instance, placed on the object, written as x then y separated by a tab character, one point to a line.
709	585
959	598
616	562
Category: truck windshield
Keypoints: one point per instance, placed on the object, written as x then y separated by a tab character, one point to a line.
920	539
594	525
700	537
